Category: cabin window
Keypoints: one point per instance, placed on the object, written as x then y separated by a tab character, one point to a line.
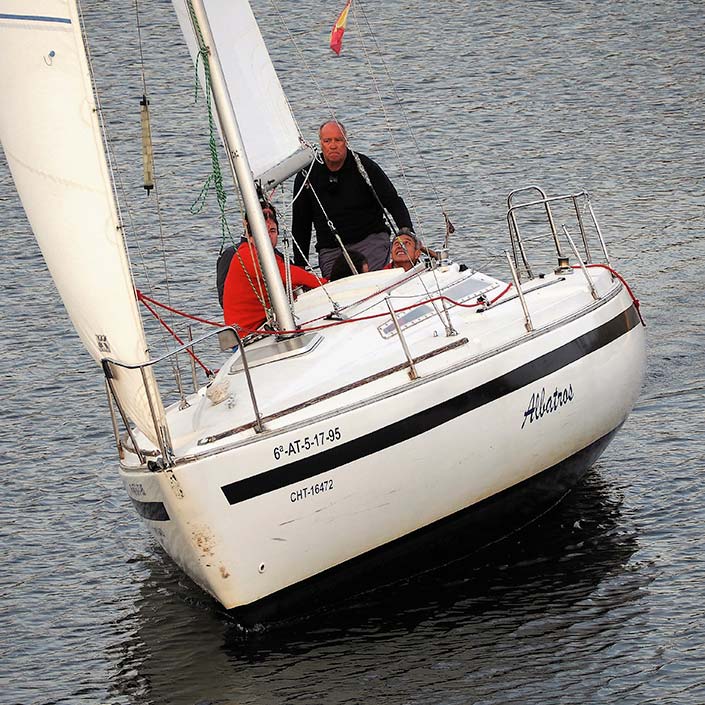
468	288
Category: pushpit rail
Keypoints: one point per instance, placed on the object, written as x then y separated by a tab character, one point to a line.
582	206
228	334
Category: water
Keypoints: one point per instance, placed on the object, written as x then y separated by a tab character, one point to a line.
601	601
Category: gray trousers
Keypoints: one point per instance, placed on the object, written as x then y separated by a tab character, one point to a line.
376	249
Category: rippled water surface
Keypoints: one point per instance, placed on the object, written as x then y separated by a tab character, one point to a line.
600	601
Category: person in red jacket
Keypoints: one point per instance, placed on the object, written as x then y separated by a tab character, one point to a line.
245	297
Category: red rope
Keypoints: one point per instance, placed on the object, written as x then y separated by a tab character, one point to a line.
393	285
143	297
614	272
378	315
144	300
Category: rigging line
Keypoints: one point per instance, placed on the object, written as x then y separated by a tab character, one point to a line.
397	152
400	104
143	297
176	369
285	238
334	230
113	165
116	181
139	44
391	223
287	272
307	67
331	301
316	158
360	168
286	210
175	335
288	264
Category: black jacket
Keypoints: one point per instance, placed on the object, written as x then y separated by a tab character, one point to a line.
349	203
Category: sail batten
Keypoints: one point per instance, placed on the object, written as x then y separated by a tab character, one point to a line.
34	18
53	144
269	130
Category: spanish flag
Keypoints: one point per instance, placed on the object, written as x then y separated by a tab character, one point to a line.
336	35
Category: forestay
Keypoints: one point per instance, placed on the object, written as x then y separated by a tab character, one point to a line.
53	143
271	136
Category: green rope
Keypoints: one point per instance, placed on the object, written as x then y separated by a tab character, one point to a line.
215	178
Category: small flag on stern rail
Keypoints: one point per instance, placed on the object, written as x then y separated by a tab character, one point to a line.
336	35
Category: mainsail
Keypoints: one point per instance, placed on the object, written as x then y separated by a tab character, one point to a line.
53	143
270	134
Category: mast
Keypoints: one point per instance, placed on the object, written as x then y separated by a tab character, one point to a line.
240	165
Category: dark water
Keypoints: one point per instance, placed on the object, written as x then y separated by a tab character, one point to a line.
602	601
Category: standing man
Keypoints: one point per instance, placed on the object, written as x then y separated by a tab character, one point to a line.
353	206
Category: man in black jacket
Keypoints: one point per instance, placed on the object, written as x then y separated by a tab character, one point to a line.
349	206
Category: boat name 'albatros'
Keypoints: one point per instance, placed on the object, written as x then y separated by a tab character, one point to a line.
539	404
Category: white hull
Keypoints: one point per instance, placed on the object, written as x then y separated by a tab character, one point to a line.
367	431
252	514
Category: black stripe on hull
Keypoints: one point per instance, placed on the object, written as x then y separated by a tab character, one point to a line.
428	419
450	539
154	511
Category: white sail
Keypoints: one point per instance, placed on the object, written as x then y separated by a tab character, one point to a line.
271	136
53	143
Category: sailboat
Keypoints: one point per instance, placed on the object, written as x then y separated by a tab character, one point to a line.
380	407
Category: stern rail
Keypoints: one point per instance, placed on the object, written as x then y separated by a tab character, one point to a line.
587	227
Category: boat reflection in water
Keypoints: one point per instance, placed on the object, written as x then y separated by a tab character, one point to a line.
545	587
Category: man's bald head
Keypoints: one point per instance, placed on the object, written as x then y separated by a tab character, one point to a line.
333	144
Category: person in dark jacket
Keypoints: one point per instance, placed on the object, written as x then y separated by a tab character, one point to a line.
221	269
354	208
341	266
